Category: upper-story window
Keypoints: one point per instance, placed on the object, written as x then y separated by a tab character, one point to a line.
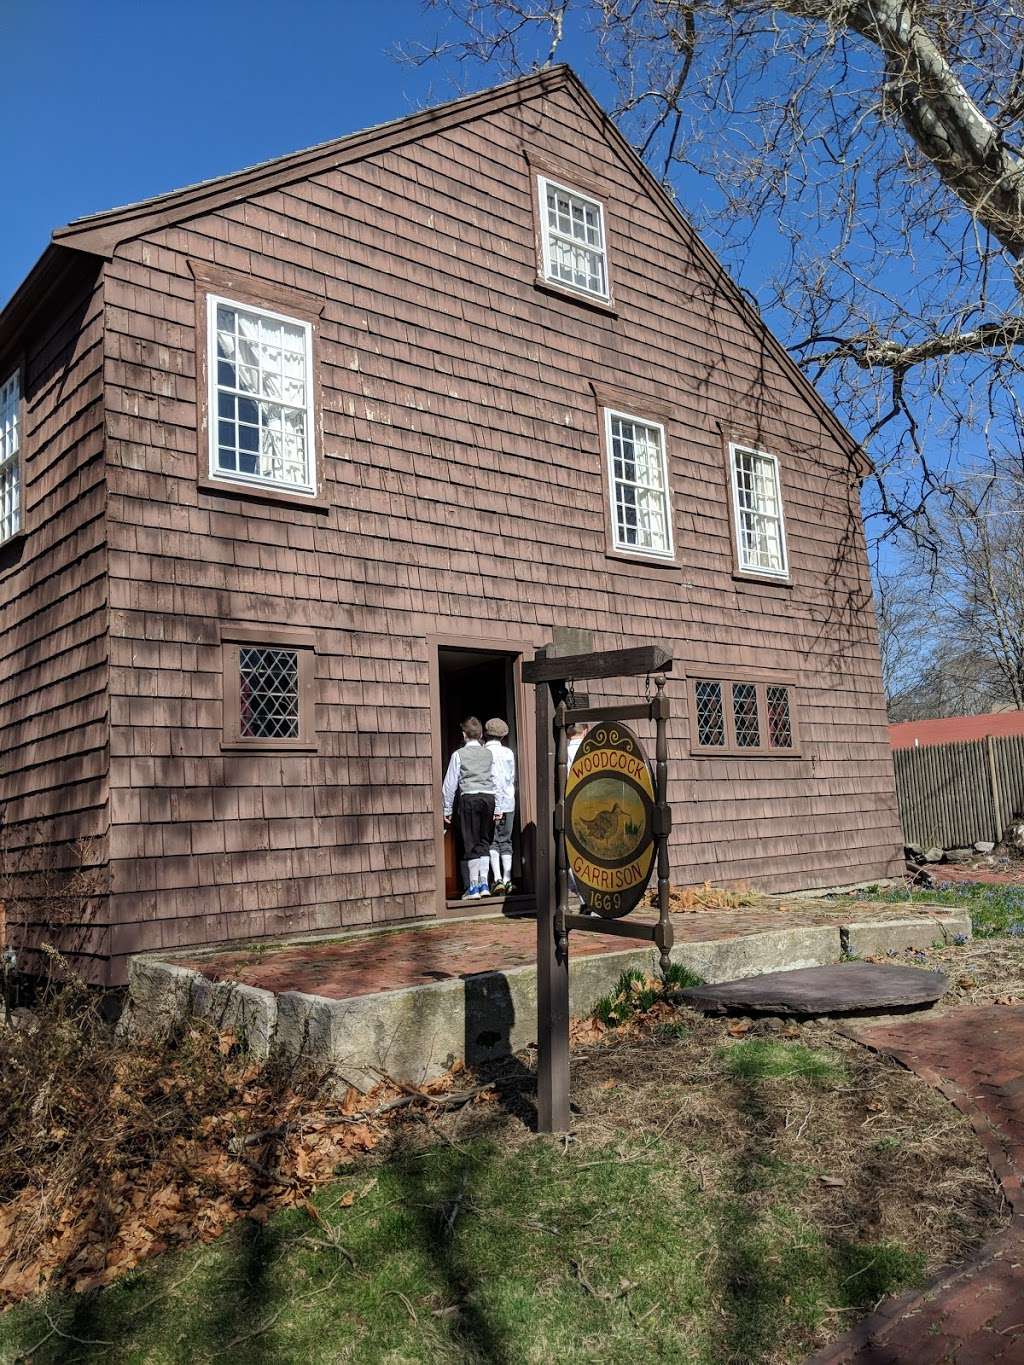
572	229
757	501
10	457
261	398
638	481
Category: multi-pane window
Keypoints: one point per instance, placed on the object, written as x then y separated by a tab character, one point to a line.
268	693
261	398
744	715
760	529
710	715
780	727
638	475
10	457
574	239
269	688
740	717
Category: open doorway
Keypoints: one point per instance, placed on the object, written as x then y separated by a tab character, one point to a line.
476	681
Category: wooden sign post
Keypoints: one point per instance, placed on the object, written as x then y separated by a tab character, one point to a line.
612	848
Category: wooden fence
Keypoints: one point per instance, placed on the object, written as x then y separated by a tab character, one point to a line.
952	795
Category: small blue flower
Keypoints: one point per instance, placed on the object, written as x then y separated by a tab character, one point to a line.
1016	929
960	940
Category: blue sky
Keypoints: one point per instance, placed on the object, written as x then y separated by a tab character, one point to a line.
108	102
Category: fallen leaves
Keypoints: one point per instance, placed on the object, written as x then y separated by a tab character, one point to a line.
584	1031
111	1153
690	899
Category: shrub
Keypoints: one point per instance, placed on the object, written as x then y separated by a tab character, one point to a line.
636	992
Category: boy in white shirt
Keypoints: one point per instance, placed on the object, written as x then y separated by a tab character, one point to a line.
504	806
471	775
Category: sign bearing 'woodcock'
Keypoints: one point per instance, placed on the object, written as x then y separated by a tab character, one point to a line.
609	820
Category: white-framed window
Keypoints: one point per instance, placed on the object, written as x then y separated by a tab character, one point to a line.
573	237
641	509
10	456
757	501
261	397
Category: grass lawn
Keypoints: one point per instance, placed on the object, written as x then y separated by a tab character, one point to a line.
733	1194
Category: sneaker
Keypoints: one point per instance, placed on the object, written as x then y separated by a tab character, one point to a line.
473	894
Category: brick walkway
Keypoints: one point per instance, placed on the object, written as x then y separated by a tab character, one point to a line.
363	964
975	1314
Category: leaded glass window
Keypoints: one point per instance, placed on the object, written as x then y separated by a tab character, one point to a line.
573	235
744	715
780	726
269	693
641	518
760	532
10	457
710	715
261	385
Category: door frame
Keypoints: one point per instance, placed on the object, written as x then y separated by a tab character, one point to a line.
518	651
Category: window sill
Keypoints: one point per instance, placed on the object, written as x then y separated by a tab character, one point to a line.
745	753
259	746
11	549
774	580
645	562
561	291
229	489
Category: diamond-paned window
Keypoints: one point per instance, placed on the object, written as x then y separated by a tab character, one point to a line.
760	531
744	715
641	517
710	715
780	727
261	398
573	237
735	717
269	693
10	457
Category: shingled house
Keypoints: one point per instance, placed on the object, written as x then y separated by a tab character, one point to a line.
299	464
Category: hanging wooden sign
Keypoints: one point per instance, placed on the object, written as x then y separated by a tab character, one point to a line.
609	820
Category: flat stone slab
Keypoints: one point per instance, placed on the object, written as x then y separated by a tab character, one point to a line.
846	988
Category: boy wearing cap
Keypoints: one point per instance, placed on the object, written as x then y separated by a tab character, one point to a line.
504	806
471	774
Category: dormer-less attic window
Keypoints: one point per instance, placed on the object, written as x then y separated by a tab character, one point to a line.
573	236
261	398
10	457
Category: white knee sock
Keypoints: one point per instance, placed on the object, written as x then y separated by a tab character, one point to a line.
495	865
506	866
478	870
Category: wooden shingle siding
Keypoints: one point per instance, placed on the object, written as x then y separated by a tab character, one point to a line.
467	494
53	620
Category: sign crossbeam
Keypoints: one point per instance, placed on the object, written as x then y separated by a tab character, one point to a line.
620	928
639	711
608	663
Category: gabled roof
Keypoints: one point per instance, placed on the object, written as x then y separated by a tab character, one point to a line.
99	234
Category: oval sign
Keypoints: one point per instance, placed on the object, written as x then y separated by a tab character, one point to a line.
609	809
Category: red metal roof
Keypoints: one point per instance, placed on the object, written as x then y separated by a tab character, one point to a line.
955	729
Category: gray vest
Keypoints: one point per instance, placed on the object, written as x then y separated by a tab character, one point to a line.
476	770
